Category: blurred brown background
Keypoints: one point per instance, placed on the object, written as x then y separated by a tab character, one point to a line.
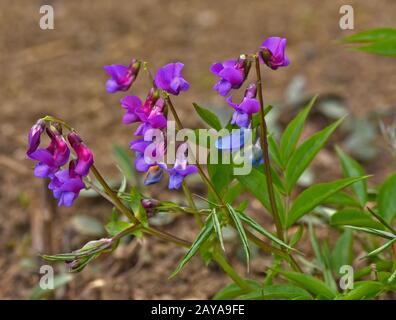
59	72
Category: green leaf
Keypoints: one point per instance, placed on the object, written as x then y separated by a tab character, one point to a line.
380	249
233	192
125	162
296	237
310	283
372	35
116	226
208	117
352	168
387	199
384	47
343	251
255	182
274	151
233	291
364	290
354	217
293	132
305	153
253	224
256	116
315	195
376	232
217	227
241	231
278	291
200	239
220	174
342	199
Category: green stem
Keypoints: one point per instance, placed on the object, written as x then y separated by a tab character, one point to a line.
222	262
260	243
118	203
264	147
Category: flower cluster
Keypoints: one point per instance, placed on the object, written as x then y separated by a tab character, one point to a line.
150	149
233	74
65	183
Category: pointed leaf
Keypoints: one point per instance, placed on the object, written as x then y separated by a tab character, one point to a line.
200	239
343	251
354	217
352	168
305	153
315	195
278	291
293	132
310	283
241	231
387	199
208	117
380	249
252	223
217	227
364	290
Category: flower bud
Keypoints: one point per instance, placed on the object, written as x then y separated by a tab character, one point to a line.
84	154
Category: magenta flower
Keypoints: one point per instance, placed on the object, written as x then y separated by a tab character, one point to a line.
84	154
232	73
147	158
273	52
170	79
34	136
49	159
66	185
122	76
133	106
181	169
154	120
243	111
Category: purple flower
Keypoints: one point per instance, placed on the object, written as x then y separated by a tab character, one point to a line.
244	110
34	136
154	120
148	154
170	79
50	159
232	73
273	52
181	169
122	77
66	185
133	106
84	154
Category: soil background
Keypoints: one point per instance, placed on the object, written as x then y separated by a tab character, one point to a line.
59	72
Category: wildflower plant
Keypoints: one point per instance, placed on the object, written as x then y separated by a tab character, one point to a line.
273	169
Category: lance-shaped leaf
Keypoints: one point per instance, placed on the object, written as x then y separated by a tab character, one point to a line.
254	225
311	284
380	249
342	253
372	35
203	235
208	117
376	232
354	217
217	227
274	152
352	168
342	199
364	290
278	291
305	153
241	231
256	183
315	195
293	132
387	199
233	290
